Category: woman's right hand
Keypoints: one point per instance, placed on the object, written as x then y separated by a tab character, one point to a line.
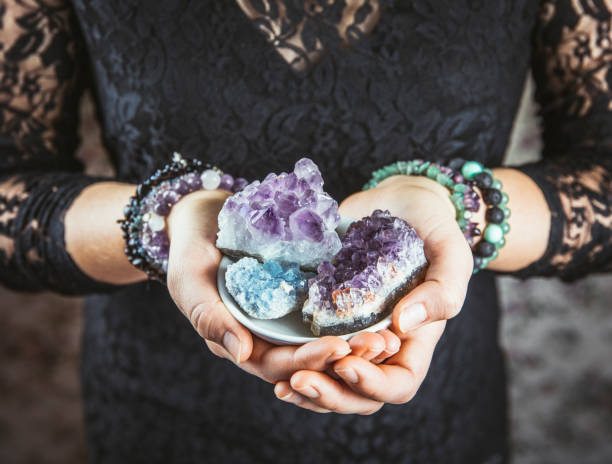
192	282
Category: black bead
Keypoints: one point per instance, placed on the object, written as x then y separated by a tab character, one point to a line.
495	215
456	163
485	248
477	262
491	196
476	232
483	180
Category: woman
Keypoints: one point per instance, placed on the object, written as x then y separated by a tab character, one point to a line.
356	85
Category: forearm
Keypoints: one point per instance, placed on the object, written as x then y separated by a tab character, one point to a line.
93	237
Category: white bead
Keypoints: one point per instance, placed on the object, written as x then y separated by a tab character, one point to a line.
210	179
156	223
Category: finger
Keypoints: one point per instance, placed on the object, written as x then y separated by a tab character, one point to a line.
192	283
330	394
392	346
399	380
441	295
367	345
284	392
274	363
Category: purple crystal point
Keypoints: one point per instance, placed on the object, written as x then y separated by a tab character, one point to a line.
308	171
287	217
265	221
307	224
381	258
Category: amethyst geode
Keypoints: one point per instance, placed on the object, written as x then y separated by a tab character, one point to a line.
286	218
381	259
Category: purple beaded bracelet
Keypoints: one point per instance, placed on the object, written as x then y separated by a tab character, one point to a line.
144	224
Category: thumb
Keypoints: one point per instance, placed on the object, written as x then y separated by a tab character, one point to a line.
192	278
441	295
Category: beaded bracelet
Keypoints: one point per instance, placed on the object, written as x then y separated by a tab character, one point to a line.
144	222
462	194
459	177
496	214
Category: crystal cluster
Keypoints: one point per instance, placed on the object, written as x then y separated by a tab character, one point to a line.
266	291
381	259
286	218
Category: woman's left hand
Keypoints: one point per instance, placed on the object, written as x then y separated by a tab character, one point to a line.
418	319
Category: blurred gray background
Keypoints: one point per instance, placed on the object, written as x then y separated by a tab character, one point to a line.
557	338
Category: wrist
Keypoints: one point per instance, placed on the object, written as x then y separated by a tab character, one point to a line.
419	183
192	213
145	217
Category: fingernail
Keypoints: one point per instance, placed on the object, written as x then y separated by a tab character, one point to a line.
412	317
308	391
287	397
349	375
232	344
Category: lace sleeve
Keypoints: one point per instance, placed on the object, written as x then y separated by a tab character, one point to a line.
40	86
572	66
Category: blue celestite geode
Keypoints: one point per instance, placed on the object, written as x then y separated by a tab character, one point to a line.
266	291
286	218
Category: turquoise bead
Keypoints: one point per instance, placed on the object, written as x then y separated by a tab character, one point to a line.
460	188
488	171
432	172
494	255
402	165
496	184
444	180
506	213
504	199
493	233
470	169
422	168
467	214
501	243
392	170
505	227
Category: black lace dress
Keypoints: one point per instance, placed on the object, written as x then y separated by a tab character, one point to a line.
252	86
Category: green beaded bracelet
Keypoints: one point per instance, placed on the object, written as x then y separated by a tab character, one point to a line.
464	198
462	195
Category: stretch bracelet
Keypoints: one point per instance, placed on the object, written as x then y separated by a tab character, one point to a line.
460	177
496	214
462	195
144	223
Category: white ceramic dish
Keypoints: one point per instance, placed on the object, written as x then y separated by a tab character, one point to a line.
288	330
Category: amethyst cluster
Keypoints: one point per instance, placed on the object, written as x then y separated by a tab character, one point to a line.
286	218
381	259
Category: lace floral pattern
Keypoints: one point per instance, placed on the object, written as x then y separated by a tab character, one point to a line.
573	70
298	30
39	87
